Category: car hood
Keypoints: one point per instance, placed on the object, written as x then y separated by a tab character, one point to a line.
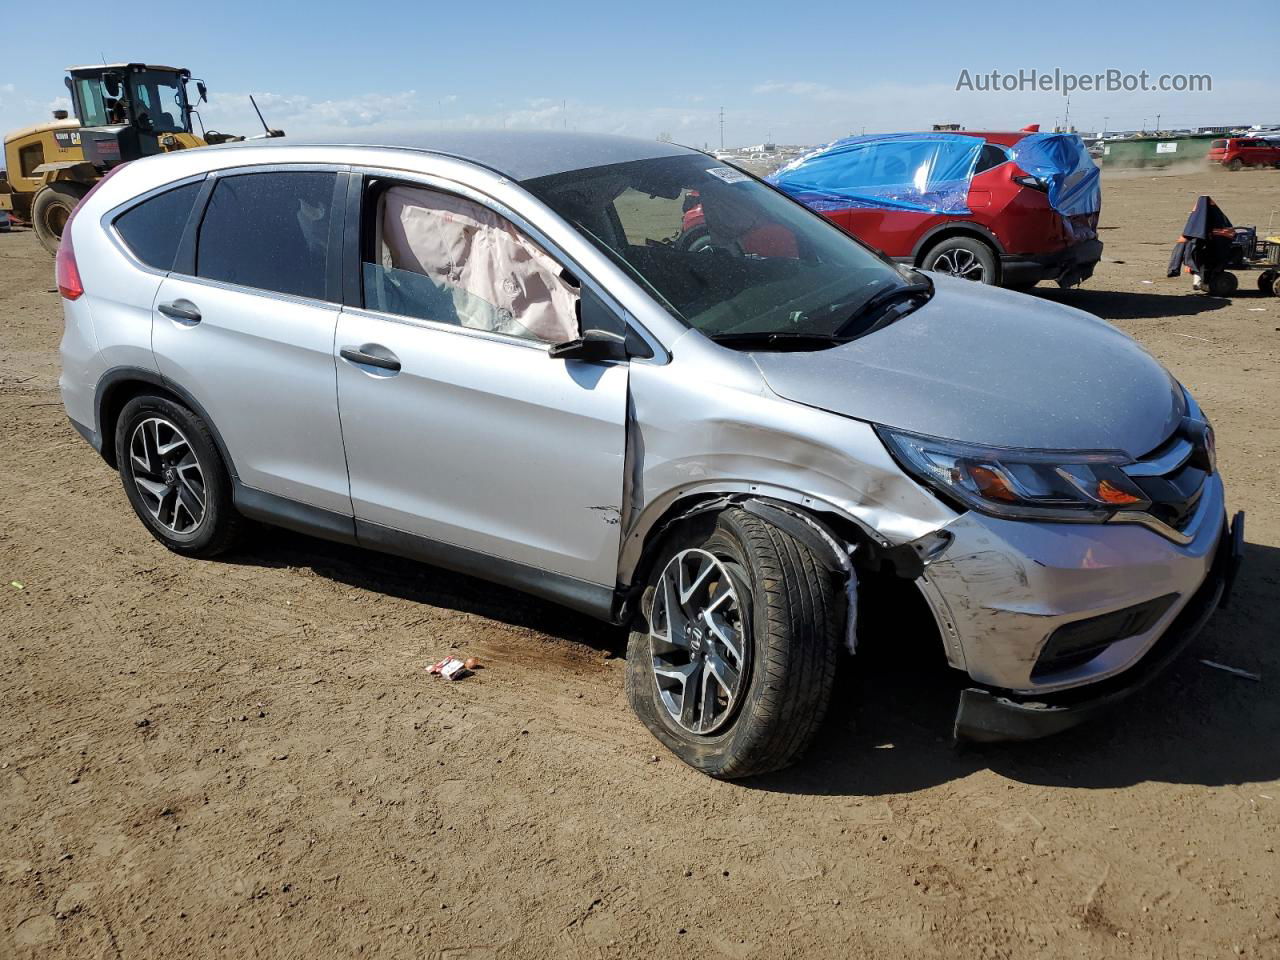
988	366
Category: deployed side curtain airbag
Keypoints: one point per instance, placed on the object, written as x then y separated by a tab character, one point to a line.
497	279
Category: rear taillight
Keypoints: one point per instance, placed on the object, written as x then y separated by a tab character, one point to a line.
69	284
68	273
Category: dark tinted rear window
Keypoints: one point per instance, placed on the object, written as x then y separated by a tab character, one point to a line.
153	229
991	156
268	230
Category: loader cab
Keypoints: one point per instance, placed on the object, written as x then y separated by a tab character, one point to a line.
131	110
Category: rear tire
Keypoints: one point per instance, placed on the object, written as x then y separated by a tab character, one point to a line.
1223	284
962	257
790	611
1235	165
51	210
174	477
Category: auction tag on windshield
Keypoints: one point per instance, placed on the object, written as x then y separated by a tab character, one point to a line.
728	174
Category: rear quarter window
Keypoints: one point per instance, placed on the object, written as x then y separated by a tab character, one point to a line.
990	157
153	229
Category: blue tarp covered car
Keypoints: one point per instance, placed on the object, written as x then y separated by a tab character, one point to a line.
1011	208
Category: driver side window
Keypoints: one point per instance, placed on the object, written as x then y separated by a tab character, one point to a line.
440	257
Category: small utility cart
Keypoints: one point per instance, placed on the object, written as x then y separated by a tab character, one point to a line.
1210	246
1268	257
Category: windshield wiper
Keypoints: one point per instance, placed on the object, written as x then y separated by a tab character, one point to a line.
885	298
779	340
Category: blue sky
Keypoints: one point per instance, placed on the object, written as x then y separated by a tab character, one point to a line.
800	73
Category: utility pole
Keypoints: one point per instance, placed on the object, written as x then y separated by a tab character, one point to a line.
1104	125
1157	123
1067	121
722	128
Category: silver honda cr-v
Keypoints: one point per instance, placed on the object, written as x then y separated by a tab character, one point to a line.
505	354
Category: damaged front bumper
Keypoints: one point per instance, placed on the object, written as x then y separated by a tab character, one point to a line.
987	715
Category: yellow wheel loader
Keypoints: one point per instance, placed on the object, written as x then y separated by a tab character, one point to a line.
123	111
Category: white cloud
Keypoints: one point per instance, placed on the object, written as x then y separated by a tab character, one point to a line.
233	113
407	115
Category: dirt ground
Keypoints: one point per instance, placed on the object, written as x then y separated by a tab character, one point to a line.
247	758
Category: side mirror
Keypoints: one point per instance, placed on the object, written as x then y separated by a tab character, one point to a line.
203	91
597	345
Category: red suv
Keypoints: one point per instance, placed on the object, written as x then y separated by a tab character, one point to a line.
1004	208
1236	152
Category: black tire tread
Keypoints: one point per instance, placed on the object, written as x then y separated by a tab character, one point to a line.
228	524
63	193
798	615
800	604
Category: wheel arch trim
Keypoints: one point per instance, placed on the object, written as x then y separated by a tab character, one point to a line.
108	390
959	228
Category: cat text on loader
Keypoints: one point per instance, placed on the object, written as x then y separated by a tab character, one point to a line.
123	111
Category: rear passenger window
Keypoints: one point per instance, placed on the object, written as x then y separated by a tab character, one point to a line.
153	229
270	231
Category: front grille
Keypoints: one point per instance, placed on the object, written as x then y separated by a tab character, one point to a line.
1174	496
1172	476
1075	644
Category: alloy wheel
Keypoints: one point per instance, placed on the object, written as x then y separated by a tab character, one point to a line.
699	641
167	475
960	263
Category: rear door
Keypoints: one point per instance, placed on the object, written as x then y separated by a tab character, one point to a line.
461	430
246	321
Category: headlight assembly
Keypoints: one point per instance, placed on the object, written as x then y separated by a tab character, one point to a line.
1080	486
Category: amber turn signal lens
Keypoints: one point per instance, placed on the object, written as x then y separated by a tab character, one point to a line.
992	485
1108	493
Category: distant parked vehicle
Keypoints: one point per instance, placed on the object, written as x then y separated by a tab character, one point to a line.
1003	208
1236	153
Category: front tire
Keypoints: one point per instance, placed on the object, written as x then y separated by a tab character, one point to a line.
174	478
51	210
732	662
962	257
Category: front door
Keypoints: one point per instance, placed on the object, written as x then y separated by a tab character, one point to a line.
459	427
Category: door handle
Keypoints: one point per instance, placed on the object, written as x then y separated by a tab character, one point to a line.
184	311
372	355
